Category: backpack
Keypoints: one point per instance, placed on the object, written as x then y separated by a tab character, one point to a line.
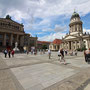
5	51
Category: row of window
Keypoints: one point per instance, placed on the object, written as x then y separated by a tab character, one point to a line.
76	27
55	47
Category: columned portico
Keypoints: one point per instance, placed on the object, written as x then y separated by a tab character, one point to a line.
12	38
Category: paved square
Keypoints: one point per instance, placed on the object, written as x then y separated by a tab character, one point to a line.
37	72
40	76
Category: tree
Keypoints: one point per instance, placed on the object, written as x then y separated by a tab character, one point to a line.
44	46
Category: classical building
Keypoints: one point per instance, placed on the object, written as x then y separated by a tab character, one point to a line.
55	45
76	39
29	41
12	32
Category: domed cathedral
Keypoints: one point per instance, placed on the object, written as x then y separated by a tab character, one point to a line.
76	39
75	25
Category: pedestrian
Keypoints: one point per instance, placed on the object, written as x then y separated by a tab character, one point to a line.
27	52
87	55
59	55
62	56
75	52
49	53
5	52
9	53
41	51
12	52
31	51
65	52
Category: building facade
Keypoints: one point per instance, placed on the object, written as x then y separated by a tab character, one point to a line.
55	45
12	32
76	39
29	42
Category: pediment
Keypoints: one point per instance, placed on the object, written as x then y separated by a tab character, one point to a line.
70	37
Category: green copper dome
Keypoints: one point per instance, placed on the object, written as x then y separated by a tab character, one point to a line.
75	15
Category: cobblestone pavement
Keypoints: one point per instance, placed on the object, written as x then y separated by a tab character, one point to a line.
38	72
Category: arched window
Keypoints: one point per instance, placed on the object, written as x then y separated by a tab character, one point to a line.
75	27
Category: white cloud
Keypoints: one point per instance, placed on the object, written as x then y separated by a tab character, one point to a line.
28	10
47	30
44	8
51	37
39	33
59	28
86	30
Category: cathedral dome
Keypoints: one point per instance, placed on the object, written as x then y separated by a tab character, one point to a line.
75	14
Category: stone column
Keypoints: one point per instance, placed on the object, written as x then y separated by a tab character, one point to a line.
77	27
74	27
4	39
65	45
11	39
75	44
88	42
71	45
68	46
80	44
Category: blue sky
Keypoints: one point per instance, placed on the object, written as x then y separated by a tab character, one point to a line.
48	19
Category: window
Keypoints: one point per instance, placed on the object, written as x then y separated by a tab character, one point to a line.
84	42
55	47
1	36
75	28
0	43
50	46
77	41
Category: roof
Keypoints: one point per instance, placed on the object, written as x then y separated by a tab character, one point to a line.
57	41
11	21
75	14
43	42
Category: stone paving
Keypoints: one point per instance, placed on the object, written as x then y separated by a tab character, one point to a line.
40	73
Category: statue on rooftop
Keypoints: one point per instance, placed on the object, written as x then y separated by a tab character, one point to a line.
8	17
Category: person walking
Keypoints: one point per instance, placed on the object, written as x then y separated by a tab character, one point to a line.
12	52
49	53
5	52
87	55
62	56
27	52
9	53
